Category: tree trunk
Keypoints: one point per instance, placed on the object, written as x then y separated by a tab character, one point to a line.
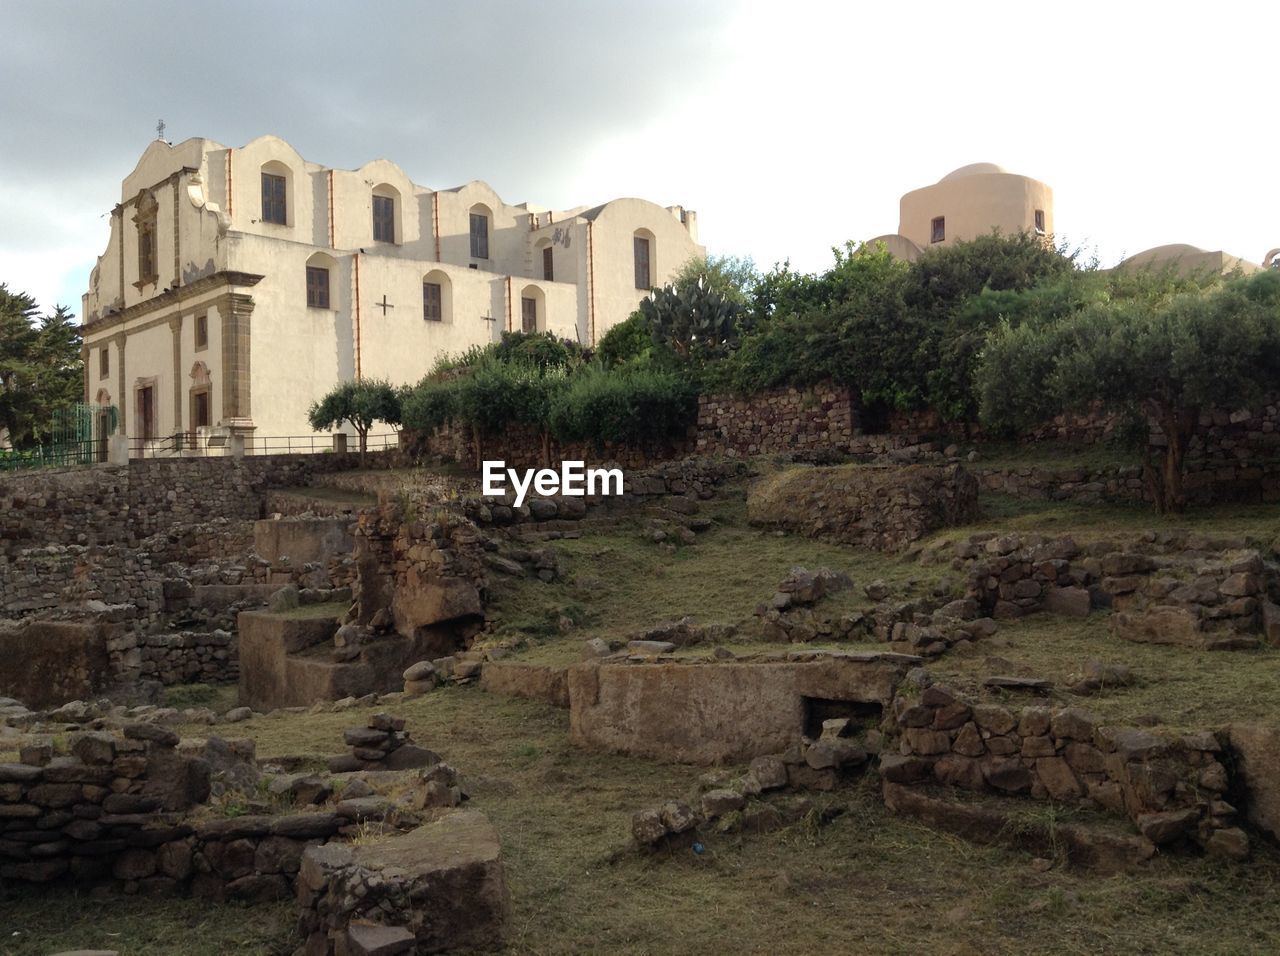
1167	484
364	442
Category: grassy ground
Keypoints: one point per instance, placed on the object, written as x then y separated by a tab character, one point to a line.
867	882
1093	522
36	922
1184	688
1054	457
616	582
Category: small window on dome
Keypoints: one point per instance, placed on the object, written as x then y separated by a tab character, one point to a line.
938	229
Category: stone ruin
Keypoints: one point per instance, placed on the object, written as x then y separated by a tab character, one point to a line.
1168	588
136	807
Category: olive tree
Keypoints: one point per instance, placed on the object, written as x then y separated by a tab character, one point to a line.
359	403
1165	358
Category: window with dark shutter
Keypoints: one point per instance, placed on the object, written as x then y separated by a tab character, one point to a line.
432	310
643	276
384	219
104	363
479	236
202	332
938	229
548	271
317	287
1040	221
528	315
273	202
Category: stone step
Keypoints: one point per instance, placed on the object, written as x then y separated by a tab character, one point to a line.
325	502
1100	845
216	596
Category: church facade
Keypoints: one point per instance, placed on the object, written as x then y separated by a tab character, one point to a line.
239	285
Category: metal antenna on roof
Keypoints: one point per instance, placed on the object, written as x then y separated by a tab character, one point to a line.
160	130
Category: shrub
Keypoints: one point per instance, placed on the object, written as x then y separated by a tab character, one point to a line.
539	349
1163	357
430	404
636	406
626	342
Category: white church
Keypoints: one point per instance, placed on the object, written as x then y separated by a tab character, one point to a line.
240	284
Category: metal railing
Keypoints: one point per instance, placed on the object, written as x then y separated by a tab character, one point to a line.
60	455
219	445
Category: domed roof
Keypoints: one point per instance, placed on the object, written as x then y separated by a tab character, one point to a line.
1172	250
973	169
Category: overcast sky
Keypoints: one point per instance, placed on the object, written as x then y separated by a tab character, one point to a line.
789	126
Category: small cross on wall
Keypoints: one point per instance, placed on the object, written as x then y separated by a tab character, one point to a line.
384	304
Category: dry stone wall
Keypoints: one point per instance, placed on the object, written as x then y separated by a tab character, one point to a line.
1166	588
124	504
780	420
1172	788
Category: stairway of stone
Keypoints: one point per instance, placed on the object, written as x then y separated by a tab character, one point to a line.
1092	841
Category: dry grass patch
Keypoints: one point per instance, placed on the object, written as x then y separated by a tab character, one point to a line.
1184	687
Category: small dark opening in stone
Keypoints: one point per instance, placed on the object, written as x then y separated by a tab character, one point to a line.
873	418
861	713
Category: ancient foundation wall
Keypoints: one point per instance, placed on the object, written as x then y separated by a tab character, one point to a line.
46	663
716	712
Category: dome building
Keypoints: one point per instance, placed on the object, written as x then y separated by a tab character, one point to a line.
969	202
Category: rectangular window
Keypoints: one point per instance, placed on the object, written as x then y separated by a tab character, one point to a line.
643	275
528	315
938	229
104	362
1040	221
548	272
273	204
479	236
146	253
317	287
432	310
384	219
147	412
202	332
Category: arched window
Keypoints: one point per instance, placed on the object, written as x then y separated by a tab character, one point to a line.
533	310
644	246
277	192
201	397
437	297
481	227
319	273
386	213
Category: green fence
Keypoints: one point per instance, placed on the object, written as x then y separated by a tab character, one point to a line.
77	436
